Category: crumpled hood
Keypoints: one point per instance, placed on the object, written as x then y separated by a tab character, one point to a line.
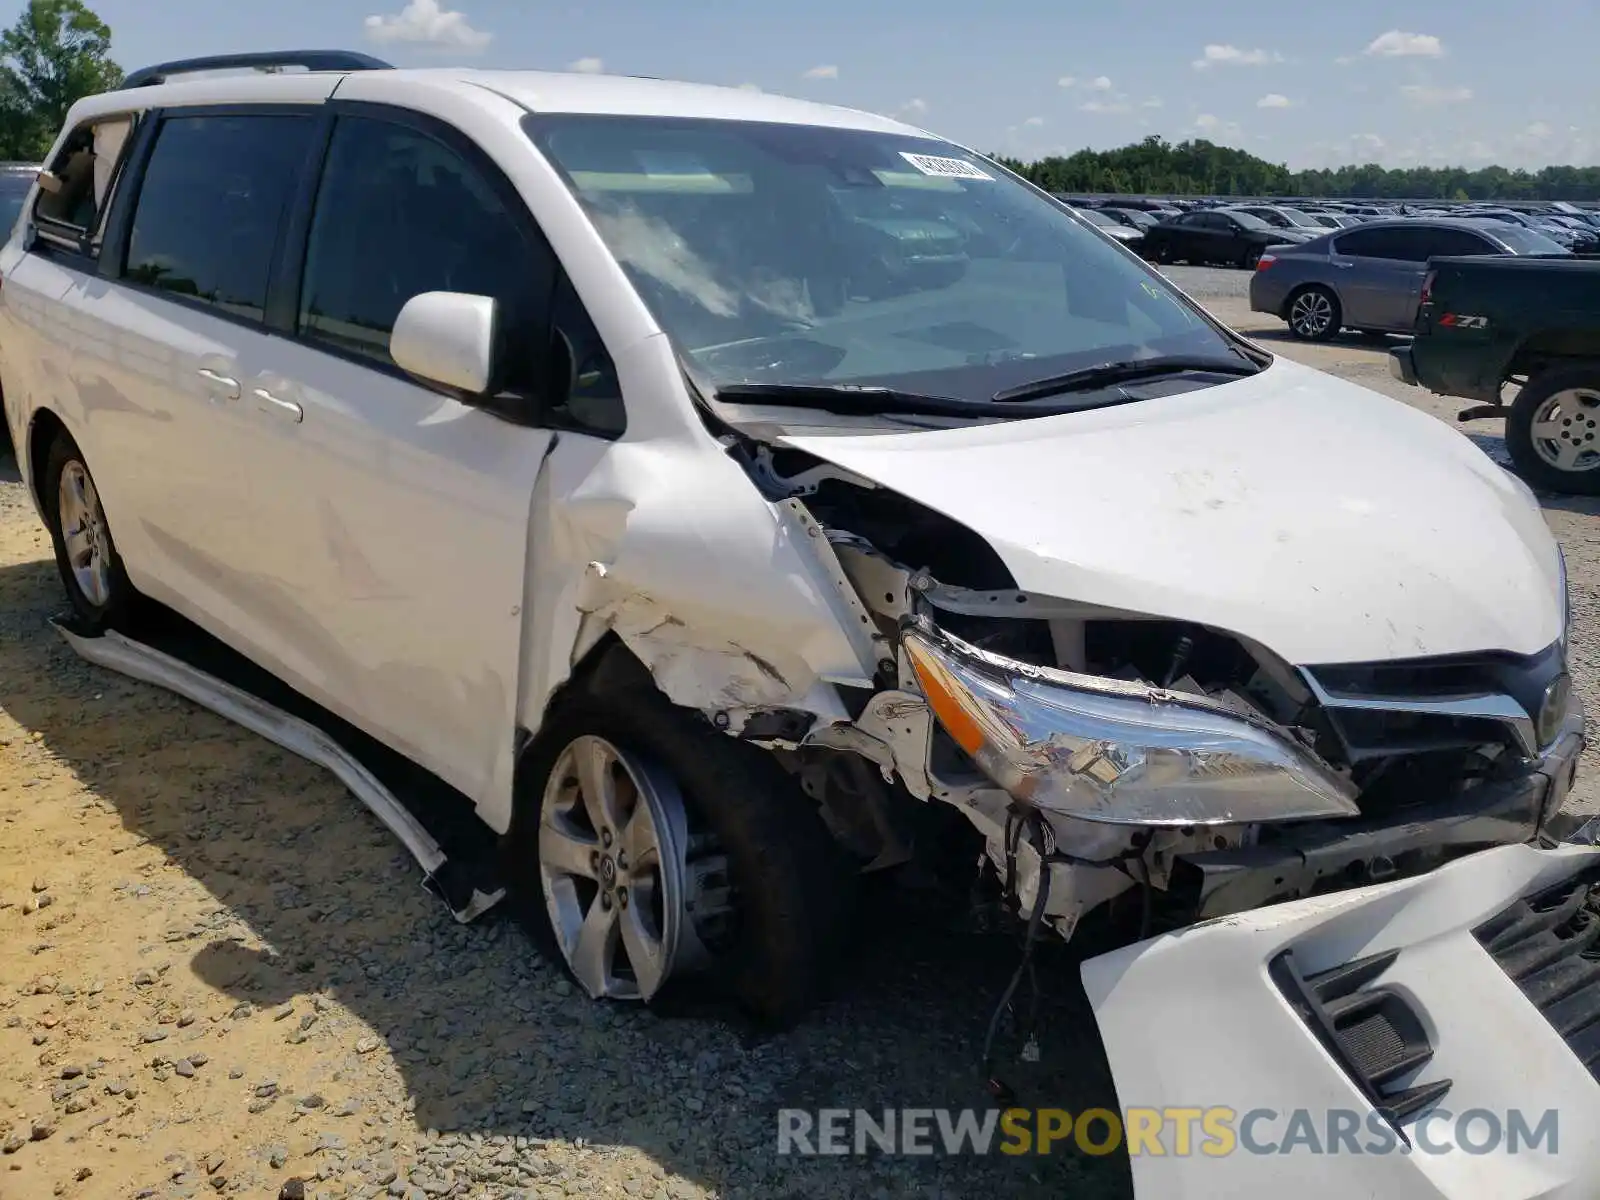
1325	521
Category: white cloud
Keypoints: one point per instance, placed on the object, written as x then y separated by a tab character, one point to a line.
826	71
1105	107
423	22
749	87
1151	102
1035	121
1215	55
915	107
1213	126
587	66
1538	131
1067	81
1274	100
1100	83
1399	44
1421	93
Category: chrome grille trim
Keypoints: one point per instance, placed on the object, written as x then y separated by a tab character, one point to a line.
1489	706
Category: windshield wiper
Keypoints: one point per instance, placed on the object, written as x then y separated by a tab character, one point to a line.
853	399
1126	371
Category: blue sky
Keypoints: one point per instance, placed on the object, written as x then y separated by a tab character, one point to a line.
1461	82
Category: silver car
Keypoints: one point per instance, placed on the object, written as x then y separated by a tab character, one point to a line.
1370	277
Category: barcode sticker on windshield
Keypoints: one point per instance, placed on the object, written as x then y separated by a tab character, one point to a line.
945	168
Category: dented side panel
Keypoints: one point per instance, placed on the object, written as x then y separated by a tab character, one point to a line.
663	540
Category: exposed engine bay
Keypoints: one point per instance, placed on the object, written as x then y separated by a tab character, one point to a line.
1272	750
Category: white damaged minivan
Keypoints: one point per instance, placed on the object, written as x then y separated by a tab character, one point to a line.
722	497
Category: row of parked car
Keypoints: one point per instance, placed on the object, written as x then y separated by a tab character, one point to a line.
1239	234
1186	230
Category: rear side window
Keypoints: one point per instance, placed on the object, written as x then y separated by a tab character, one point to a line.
400	213
1391	243
1529	241
215	194
1441	242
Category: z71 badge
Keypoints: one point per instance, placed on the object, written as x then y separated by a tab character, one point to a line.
1463	321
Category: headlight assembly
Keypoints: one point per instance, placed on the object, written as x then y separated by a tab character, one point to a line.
1120	753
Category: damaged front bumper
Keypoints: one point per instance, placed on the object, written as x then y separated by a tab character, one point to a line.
1309	859
1433	1036
1210	811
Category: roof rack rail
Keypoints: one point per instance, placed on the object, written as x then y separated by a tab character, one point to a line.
311	60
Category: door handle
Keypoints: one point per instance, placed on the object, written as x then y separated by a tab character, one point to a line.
224	385
288	409
1343	266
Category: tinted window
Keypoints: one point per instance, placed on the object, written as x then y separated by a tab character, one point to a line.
1439	242
1391	242
214	196
398	214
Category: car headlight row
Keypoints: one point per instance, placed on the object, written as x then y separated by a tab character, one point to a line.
1121	753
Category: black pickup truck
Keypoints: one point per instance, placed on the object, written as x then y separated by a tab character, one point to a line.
1528	320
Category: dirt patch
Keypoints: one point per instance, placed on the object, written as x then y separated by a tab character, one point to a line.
218	972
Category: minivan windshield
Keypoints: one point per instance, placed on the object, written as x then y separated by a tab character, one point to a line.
807	257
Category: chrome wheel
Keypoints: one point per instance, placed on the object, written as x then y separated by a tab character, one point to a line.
1311	314
614	847
1566	430
83	531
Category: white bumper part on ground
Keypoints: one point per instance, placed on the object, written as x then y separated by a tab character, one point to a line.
1197	1020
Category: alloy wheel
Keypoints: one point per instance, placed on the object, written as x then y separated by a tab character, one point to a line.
1566	430
614	846
83	529
1311	314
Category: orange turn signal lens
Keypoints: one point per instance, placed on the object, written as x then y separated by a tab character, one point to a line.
946	697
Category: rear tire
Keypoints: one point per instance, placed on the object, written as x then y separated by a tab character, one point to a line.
1553	430
792	887
1250	257
86	556
1313	314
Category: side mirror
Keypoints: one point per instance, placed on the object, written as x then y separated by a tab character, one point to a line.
447	339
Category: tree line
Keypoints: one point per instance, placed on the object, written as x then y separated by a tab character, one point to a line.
1156	166
59	51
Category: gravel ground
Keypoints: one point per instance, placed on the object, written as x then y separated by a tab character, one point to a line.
1211	283
218	973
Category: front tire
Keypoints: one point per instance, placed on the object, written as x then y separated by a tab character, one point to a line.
86	556
1313	314
1553	430
767	931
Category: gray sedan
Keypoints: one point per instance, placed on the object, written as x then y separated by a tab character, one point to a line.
1370	277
